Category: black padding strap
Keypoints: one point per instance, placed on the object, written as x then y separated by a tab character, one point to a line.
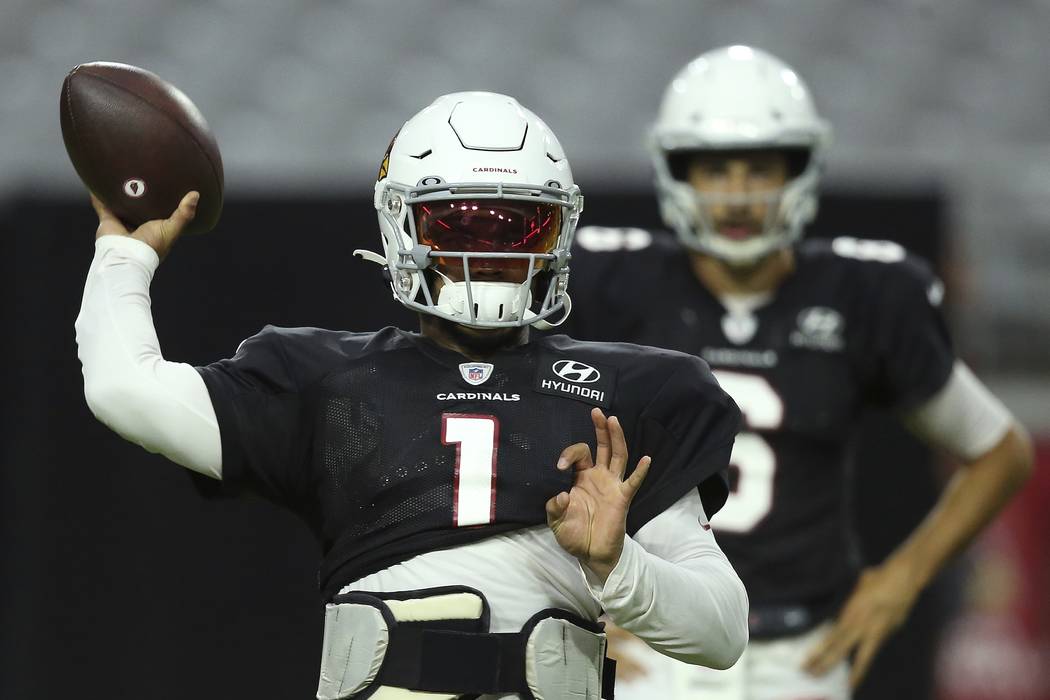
454	662
609	679
459	655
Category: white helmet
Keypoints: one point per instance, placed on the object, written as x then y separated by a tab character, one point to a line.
737	97
478	178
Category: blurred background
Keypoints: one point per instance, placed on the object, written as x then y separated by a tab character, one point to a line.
118	578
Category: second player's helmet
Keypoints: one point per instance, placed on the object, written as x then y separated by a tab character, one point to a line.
477	180
737	97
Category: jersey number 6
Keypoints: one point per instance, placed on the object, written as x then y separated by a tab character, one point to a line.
752	456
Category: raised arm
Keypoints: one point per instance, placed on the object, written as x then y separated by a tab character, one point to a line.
129	386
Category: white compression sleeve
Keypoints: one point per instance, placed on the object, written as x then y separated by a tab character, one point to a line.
963	417
162	406
674	588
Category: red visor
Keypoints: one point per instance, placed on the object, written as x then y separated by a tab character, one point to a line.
488	226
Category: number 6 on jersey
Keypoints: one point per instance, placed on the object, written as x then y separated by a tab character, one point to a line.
754	459
474	487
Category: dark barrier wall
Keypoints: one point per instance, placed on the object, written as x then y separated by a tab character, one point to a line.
117	579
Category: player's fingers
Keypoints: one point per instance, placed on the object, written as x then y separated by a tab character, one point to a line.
617	447
832	649
816	655
634	481
184	213
556	507
628	667
101	209
835	654
601	432
628	670
577	456
863	658
108	223
172	227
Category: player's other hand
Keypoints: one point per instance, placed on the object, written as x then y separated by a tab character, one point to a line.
878	605
590	520
159	234
623	648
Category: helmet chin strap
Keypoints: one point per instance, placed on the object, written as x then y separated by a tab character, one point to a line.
544	324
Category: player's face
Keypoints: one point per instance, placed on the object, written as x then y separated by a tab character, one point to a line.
740	188
487	226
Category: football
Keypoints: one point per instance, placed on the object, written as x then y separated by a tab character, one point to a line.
139	144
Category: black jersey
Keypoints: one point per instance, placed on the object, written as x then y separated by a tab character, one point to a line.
391	445
856	324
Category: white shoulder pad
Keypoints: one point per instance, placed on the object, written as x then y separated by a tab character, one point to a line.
601	239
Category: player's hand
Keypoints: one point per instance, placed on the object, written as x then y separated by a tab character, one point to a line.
623	649
590	520
159	234
878	605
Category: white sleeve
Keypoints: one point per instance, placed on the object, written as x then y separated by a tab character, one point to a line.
963	417
162	406
674	588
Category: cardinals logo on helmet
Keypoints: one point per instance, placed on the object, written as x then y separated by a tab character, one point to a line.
385	165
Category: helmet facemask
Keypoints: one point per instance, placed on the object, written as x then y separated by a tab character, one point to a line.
485	255
787	209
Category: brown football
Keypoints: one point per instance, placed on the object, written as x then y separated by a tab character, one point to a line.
139	144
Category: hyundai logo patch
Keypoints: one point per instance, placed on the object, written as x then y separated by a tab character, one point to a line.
573	379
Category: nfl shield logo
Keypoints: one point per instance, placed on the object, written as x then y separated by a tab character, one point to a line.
475	373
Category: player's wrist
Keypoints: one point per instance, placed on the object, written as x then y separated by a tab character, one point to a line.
602	566
909	567
128	248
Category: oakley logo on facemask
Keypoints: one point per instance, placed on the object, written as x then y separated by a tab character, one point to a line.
573	371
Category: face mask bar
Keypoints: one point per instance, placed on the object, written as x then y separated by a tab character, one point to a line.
437	190
408	259
521	301
770	198
770	236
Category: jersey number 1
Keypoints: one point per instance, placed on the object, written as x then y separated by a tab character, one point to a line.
474	485
754	459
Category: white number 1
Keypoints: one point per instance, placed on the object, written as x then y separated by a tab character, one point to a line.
752	456
474	488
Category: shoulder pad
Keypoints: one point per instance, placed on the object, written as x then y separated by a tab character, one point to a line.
604	239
